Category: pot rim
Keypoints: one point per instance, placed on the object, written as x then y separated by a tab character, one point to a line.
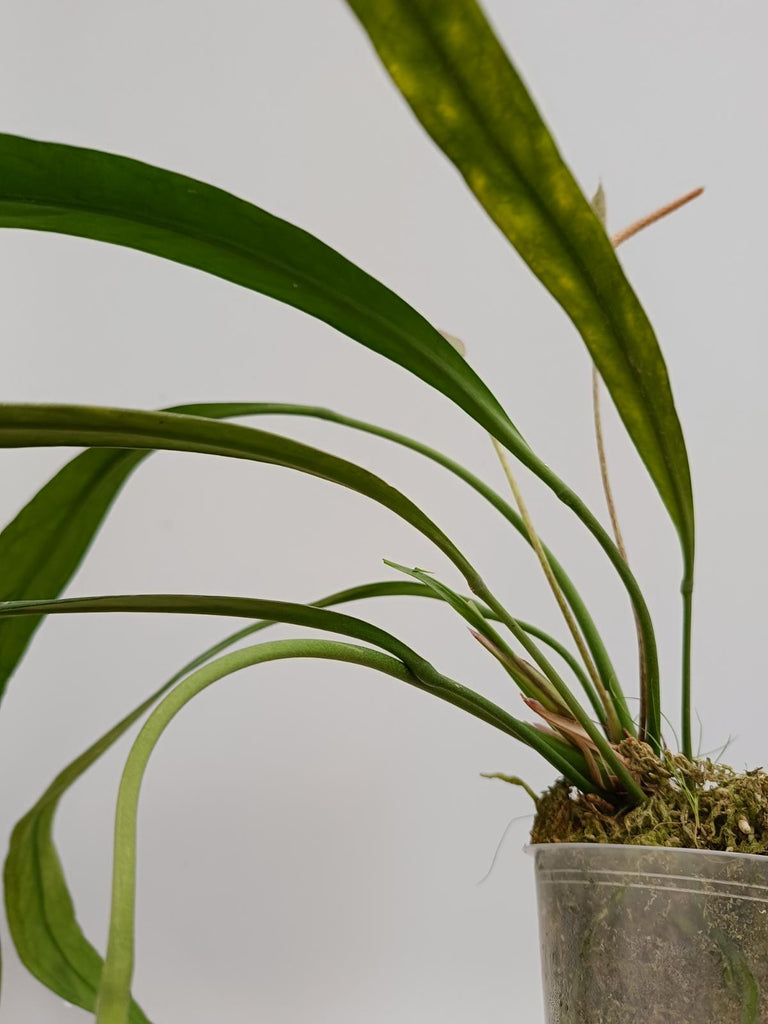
531	848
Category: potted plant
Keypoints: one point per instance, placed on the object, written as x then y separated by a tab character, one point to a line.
629	818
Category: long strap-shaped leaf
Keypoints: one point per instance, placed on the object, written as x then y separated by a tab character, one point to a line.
39	907
445	59
42	547
89	426
426	675
305	615
83	425
48	187
581	612
447	62
65	189
114	993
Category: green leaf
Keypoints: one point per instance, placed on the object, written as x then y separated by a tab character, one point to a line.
315	618
45	425
548	685
454	73
43	546
536	687
49	187
22	425
114	992
478	618
581	613
467	609
39	907
90	426
305	615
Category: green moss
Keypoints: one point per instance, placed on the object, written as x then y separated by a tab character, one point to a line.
695	804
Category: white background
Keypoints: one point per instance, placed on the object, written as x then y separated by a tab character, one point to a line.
311	837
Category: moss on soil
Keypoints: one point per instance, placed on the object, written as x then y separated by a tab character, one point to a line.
691	804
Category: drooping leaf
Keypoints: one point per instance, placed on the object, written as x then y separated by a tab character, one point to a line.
41	914
42	547
90	426
39	907
46	425
114	996
447	62
48	187
305	615
114	992
299	615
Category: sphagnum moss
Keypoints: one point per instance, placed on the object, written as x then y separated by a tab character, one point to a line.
691	804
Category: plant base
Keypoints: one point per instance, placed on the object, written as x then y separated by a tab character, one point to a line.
691	804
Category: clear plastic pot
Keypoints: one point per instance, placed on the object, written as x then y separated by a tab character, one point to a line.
646	935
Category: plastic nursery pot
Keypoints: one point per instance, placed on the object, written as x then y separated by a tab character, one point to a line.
649	935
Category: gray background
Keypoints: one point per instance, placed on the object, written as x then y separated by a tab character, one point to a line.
311	837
